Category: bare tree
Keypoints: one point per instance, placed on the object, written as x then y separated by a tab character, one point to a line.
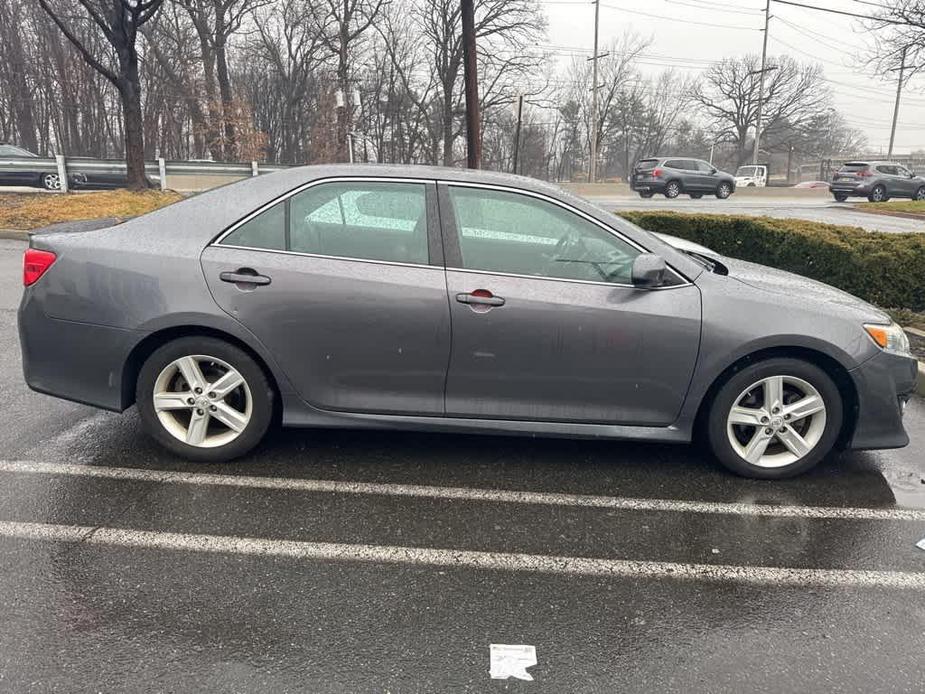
794	95
119	22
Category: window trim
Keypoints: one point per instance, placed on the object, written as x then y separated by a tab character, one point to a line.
453	252
434	243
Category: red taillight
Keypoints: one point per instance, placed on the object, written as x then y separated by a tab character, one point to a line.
34	265
657	173
864	173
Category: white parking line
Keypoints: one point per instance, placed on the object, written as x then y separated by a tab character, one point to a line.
464	494
451	558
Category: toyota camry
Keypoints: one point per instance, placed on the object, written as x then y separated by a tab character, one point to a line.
450	300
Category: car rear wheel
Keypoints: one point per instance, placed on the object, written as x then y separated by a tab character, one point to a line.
919	193
878	194
775	419
839	197
51	181
672	189
723	191
204	399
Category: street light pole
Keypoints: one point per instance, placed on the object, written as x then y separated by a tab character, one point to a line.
899	89
592	167
764	58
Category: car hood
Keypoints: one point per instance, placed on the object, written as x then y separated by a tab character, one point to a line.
806	290
780	281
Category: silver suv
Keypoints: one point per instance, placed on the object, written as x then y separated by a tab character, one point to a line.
878	181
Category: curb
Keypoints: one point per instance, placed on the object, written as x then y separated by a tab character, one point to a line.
889	213
17	234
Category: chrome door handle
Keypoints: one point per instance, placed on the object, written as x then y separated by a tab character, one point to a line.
480	297
244	276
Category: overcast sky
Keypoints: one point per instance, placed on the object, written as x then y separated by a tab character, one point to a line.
689	34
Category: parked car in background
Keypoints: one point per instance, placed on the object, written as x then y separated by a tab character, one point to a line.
878	181
441	299
672	176
755	176
46	175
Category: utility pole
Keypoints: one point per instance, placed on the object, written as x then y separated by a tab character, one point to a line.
899	89
592	167
520	116
473	137
764	58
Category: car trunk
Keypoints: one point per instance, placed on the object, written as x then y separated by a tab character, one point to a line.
852	171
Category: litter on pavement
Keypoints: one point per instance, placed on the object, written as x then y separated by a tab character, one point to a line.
511	661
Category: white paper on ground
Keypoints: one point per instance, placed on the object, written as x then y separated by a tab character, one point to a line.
511	661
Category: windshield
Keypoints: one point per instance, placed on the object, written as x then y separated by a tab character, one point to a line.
746	171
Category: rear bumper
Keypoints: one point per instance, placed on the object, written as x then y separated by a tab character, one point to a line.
653	186
72	360
849	189
884	384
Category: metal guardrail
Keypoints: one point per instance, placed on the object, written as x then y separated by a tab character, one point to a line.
69	168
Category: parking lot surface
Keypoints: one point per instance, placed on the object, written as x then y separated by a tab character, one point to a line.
337	561
815	209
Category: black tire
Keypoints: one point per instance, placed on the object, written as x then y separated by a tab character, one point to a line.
878	194
51	181
672	189
723	190
260	390
840	197
919	193
646	195
730	391
695	196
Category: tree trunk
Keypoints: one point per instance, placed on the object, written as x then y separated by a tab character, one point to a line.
129	88
224	81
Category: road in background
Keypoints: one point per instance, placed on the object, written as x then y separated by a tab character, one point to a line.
815	209
159	575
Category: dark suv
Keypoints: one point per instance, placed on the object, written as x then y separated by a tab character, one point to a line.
878	181
673	176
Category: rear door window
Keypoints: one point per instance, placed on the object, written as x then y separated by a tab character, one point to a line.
676	164
886	169
373	221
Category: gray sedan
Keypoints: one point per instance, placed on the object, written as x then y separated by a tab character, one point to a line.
448	300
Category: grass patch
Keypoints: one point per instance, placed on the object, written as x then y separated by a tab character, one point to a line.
916	207
34	210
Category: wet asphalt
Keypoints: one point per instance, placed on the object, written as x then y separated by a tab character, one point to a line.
101	616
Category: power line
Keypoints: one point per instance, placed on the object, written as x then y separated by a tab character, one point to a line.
678	19
842	12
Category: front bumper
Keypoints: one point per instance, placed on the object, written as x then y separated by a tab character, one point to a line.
884	384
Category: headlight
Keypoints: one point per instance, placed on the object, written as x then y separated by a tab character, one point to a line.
890	338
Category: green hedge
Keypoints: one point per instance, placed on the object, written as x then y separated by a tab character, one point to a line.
885	269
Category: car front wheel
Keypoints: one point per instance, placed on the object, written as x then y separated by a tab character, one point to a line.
51	181
919	193
723	191
775	419
204	399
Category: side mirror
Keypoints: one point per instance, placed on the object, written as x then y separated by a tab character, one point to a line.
713	170
649	270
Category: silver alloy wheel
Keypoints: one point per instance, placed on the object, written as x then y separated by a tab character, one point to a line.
878	194
724	191
673	190
202	401
920	193
776	421
51	182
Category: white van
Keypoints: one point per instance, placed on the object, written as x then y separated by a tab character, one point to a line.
756	176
